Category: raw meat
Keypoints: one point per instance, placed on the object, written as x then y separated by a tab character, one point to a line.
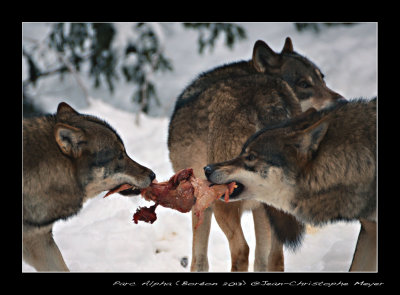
206	195
182	192
176	193
145	214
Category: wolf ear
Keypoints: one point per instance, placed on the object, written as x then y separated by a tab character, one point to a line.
288	47
264	58
64	111
69	139
309	139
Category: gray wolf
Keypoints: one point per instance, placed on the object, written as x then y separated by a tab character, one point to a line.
212	119
320	167
67	158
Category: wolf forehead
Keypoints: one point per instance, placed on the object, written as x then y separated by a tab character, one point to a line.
261	137
81	122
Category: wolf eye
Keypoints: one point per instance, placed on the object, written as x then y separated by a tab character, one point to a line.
304	84
251	157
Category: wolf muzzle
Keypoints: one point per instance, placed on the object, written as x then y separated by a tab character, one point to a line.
208	170
152	176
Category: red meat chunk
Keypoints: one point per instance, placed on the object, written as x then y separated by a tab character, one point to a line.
145	214
183	192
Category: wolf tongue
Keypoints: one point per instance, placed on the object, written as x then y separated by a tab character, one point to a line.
122	187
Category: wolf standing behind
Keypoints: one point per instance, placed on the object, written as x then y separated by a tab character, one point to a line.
321	168
213	118
67	158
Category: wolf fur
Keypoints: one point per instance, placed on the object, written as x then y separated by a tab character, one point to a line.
211	121
67	158
320	167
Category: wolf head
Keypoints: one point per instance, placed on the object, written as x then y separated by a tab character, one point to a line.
303	76
97	152
269	164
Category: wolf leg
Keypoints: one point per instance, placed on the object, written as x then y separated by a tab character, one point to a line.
40	250
364	258
200	241
228	218
269	251
275	257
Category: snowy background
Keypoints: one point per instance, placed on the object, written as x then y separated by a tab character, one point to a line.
103	237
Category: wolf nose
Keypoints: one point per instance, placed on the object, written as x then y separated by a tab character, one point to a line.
207	171
152	176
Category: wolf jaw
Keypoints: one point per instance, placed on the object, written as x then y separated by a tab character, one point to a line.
252	185
118	183
124	189
239	187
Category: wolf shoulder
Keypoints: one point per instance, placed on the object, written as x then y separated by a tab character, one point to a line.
354	121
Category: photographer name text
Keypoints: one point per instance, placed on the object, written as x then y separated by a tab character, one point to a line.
183	283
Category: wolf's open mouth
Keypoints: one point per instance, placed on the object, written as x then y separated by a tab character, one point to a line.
130	191
236	192
124	189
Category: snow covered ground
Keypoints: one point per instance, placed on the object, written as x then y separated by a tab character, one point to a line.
103	237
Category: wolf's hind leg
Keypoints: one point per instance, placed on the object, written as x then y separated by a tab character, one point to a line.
364	258
269	251
40	250
228	218
200	241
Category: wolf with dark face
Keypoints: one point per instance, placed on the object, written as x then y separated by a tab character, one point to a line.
213	118
319	167
67	158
